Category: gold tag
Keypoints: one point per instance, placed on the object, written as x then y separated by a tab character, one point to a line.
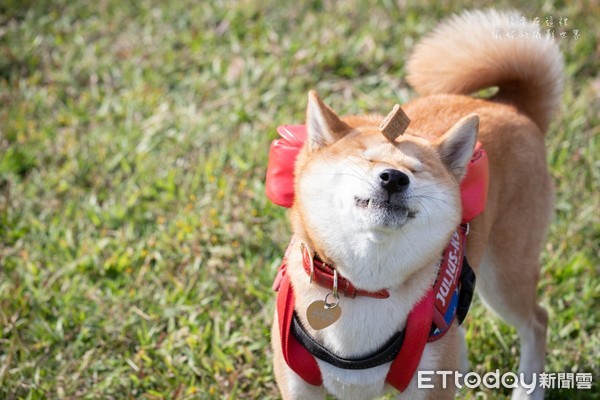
321	314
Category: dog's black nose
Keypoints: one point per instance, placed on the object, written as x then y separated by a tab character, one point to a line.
393	180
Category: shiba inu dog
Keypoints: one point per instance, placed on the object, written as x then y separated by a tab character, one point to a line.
375	208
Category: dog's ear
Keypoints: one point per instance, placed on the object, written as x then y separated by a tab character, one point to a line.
457	144
323	124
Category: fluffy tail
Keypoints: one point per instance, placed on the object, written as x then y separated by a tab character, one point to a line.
480	49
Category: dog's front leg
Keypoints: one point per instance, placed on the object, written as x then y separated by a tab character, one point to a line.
291	386
298	389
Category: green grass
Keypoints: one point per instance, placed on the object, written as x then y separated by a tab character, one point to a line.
137	248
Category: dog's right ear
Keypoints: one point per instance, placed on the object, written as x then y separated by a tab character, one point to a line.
456	145
323	125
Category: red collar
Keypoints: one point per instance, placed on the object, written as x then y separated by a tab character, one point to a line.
324	275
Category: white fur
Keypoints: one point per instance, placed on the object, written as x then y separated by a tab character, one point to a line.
380	255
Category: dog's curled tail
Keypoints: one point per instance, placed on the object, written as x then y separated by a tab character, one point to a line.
480	49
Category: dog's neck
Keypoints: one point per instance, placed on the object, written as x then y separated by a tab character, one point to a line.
327	276
378	263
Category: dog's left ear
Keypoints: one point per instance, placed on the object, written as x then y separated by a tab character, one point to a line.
323	124
456	146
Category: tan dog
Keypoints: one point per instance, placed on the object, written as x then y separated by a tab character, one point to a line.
382	235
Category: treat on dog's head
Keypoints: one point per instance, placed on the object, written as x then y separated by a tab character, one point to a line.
395	123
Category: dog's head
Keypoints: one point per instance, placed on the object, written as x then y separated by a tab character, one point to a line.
378	208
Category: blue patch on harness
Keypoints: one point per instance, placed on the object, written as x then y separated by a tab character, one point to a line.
449	316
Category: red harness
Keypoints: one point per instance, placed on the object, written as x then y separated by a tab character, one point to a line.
438	305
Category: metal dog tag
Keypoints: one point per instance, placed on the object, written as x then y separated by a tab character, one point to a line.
320	314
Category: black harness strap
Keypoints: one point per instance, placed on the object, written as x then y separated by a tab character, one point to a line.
467	288
387	353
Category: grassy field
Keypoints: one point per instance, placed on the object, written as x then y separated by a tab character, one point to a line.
137	247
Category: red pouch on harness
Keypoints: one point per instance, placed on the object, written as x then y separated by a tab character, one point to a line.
279	183
474	186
